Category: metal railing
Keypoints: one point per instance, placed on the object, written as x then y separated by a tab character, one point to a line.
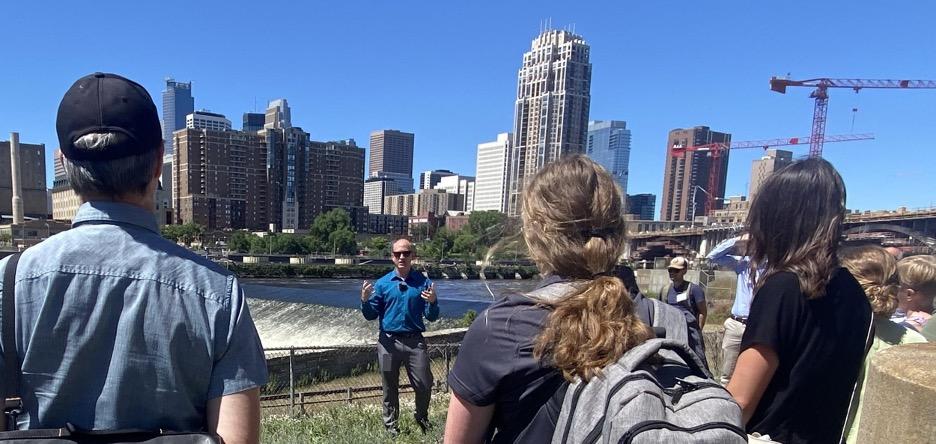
302	378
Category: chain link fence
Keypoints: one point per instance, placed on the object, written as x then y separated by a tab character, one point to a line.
304	378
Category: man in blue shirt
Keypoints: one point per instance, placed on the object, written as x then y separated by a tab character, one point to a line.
117	327
401	299
731	254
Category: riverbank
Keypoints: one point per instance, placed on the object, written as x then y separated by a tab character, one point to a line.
375	271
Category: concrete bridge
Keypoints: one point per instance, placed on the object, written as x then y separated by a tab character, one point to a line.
913	231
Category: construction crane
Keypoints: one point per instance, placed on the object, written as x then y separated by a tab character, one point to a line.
715	151
821	95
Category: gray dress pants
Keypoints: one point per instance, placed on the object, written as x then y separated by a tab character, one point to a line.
393	350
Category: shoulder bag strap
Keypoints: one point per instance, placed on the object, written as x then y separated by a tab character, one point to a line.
852	402
11	370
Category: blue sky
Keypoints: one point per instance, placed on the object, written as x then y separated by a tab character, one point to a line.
447	72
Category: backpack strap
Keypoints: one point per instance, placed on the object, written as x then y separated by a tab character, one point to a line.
11	370
637	355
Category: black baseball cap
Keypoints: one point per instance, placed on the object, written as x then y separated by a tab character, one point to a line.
103	102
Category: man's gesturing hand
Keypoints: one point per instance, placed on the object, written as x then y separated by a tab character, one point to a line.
366	290
429	294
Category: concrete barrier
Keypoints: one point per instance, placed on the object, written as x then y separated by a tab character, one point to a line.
899	403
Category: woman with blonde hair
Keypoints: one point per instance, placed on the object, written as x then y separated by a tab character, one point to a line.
809	319
517	354
876	270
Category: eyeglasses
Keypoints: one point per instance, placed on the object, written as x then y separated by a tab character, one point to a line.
402	254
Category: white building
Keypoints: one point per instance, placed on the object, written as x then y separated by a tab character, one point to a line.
491	175
207	120
460	185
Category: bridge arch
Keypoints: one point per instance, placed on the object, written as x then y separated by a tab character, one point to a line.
917	236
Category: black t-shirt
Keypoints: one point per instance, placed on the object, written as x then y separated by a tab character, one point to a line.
820	345
495	365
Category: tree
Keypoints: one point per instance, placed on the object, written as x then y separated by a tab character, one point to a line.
465	244
240	241
378	246
488	226
441	244
342	241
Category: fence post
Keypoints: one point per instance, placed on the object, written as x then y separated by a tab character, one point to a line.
292	386
350	396
302	410
445	351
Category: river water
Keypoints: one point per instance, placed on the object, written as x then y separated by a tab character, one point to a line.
319	312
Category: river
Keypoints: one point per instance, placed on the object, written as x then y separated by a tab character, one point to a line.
320	312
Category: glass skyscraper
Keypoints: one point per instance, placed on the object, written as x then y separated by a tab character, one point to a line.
177	103
609	145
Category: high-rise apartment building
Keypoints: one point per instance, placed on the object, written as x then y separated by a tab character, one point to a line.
463	186
207	120
641	205
609	145
379	187
177	103
772	161
333	178
434	202
220	179
685	176
253	122
491	174
551	111
32	169
391	151
429	179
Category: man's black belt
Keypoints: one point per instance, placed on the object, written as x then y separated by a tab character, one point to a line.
403	334
739	319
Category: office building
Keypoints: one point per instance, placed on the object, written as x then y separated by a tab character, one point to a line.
65	201
391	151
253	122
491	174
387	224
177	103
429	179
376	189
609	145
32	170
551	110
641	205
284	144
463	186
207	120
686	174
772	161
403	184
424	203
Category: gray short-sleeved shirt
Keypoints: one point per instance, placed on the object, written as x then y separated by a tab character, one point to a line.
118	327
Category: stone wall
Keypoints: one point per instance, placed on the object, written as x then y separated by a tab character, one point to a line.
899	402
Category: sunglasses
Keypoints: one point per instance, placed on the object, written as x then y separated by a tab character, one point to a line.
402	254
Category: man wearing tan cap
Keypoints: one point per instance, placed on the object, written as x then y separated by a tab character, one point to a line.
685	295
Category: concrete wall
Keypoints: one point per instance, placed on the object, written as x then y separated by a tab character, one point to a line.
899	402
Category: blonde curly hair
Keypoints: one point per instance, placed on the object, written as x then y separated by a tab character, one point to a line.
876	270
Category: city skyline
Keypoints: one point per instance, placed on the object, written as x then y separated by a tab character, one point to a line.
456	89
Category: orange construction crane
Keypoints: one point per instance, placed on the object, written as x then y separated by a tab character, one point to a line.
715	151
822	98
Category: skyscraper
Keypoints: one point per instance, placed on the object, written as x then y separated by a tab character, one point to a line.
463	186
551	111
685	176
609	145
284	144
641	205
332	177
253	122
491	174
772	161
391	151
177	103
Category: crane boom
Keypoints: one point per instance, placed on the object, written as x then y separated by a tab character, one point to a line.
821	95
715	151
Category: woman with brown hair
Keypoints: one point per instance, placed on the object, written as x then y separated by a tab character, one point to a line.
876	271
809	319
516	355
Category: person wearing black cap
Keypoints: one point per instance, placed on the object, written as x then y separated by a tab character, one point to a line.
117	327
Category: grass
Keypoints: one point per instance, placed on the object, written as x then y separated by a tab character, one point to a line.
355	423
